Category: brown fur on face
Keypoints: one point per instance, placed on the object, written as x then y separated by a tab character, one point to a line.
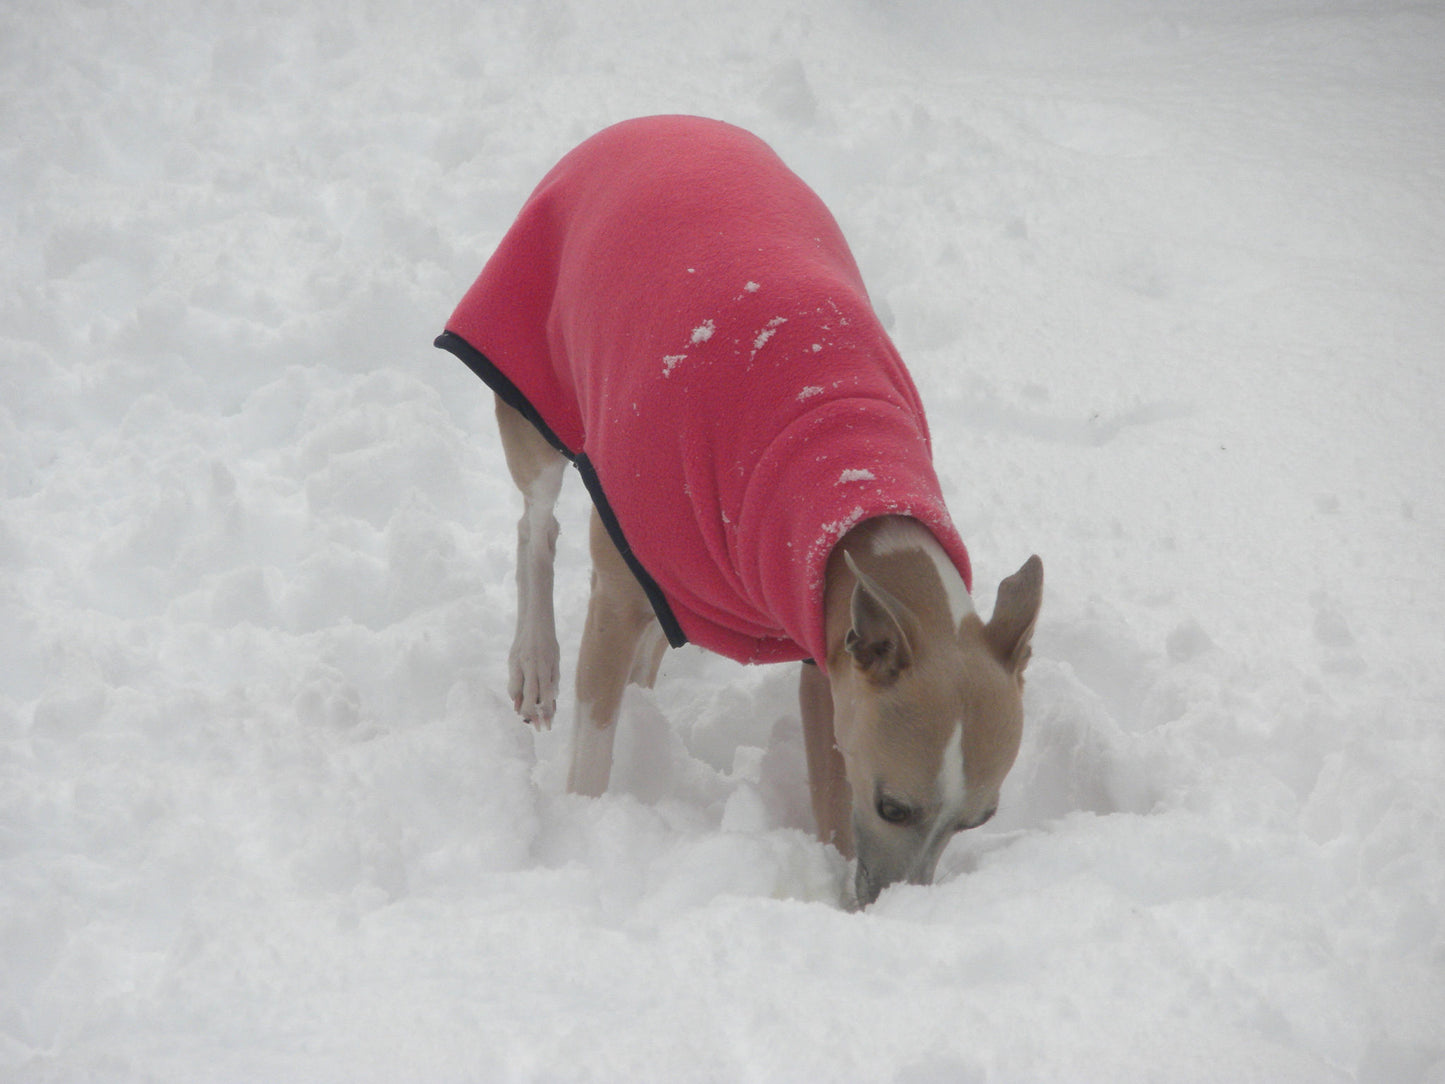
928	714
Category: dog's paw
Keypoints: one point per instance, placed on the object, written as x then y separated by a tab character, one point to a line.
532	682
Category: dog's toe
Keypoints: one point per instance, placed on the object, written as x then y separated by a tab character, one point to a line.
539	714
533	689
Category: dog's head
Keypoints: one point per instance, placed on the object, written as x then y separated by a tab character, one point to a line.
928	715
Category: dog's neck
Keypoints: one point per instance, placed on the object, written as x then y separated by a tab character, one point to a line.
902	556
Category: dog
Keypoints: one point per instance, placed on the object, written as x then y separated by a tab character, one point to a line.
677	314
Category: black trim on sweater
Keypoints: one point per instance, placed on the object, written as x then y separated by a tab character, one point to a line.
670	628
500	383
508	392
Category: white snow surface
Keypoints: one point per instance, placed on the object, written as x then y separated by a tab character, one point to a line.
1169	276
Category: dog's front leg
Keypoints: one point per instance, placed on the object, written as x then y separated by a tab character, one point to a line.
537	468
618	617
827	775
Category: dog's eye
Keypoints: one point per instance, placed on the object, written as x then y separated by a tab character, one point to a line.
895	812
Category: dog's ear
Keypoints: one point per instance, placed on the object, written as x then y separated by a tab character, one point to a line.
877	641
1014	614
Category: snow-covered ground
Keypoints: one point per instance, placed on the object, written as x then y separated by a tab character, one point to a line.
1171	278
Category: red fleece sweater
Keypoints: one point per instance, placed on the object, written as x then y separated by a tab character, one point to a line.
679	314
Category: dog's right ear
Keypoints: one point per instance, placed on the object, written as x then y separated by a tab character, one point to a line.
877	641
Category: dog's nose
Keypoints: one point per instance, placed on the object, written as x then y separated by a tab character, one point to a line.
866	888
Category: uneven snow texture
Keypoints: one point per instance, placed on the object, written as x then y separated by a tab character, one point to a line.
1170	278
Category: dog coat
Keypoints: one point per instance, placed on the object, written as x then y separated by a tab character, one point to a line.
679	315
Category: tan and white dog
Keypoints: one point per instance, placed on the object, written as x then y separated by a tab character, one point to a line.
911	703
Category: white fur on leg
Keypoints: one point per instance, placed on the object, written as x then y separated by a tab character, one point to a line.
534	661
592	740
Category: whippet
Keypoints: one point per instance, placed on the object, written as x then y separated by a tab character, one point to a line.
678	315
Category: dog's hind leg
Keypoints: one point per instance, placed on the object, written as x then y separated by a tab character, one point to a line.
614	643
532	665
650	649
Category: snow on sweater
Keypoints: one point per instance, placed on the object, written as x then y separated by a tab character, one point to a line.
679	314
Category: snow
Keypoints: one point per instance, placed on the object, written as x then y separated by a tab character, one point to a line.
1169	278
764	334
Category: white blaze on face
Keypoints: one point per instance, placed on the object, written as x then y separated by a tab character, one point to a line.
895	540
951	792
960	603
949	786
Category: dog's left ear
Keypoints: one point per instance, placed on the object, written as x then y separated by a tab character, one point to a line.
877	641
1014	614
